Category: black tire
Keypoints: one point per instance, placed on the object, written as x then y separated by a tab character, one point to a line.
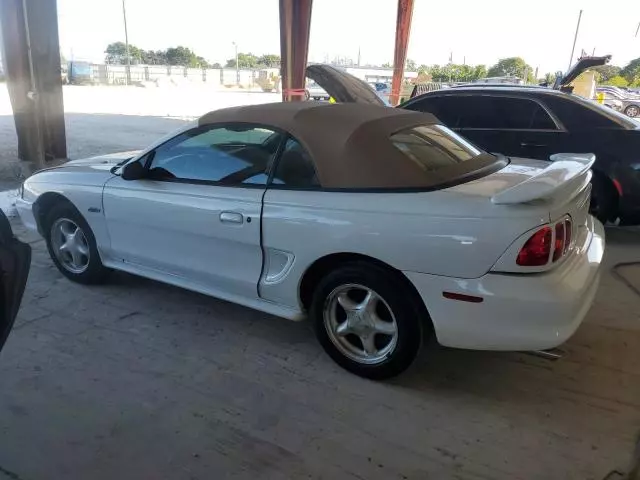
94	272
603	198
396	297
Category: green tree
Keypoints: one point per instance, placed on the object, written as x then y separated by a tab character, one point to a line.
245	60
269	61
606	72
411	65
617	81
511	67
181	56
632	71
215	65
479	71
549	78
387	65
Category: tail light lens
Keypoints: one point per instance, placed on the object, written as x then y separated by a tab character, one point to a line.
535	252
568	226
558	243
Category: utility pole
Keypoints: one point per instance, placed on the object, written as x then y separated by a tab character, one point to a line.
575	38
237	66
638	29
358	56
33	95
126	43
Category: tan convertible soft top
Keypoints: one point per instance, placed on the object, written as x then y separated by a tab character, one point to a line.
348	142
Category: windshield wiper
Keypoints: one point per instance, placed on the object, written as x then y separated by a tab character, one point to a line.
118	165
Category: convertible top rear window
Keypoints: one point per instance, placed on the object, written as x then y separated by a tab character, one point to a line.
439	155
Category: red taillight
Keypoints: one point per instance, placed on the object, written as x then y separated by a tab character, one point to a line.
567	232
535	252
558	247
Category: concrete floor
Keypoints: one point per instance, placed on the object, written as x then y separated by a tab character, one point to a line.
137	380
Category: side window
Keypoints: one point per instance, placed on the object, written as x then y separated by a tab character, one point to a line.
295	168
504	113
229	155
577	116
446	108
480	112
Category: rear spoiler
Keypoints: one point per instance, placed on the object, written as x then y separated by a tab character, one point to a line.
569	174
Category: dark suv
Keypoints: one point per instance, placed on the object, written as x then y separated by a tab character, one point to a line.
538	122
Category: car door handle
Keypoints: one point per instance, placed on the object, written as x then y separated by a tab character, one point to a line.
230	217
532	145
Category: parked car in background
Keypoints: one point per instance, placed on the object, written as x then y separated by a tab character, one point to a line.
316	92
531	122
382	89
79	73
381	225
15	260
626	103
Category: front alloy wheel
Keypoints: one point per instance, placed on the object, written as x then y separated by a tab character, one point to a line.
70	246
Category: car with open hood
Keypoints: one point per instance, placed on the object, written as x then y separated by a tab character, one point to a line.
532	122
381	225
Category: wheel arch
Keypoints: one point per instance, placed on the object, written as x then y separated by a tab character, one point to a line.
43	205
609	185
323	265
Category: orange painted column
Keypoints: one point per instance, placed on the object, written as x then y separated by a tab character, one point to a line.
403	28
295	25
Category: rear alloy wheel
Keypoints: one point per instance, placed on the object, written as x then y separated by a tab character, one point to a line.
632	111
72	246
366	322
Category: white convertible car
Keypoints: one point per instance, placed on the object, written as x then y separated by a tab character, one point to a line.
381	225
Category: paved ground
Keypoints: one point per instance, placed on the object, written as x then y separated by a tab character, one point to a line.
137	380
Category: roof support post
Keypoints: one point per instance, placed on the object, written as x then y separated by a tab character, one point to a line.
403	28
32	67
295	25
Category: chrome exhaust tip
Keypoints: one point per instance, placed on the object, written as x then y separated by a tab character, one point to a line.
552	354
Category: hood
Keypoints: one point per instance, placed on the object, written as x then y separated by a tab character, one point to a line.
342	86
102	162
584	64
86	171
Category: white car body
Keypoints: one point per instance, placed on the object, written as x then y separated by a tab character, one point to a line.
253	246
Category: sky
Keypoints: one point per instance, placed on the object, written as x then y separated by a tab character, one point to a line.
476	32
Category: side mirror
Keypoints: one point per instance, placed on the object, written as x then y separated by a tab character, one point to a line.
133	171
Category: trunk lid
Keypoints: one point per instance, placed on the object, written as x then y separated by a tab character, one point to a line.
546	190
342	86
581	65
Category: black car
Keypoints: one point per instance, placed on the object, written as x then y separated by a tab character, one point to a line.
538	122
532	122
15	259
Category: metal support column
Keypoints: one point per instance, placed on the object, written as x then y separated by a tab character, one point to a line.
32	69
295	25
403	28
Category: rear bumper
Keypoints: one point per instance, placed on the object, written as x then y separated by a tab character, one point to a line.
518	311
